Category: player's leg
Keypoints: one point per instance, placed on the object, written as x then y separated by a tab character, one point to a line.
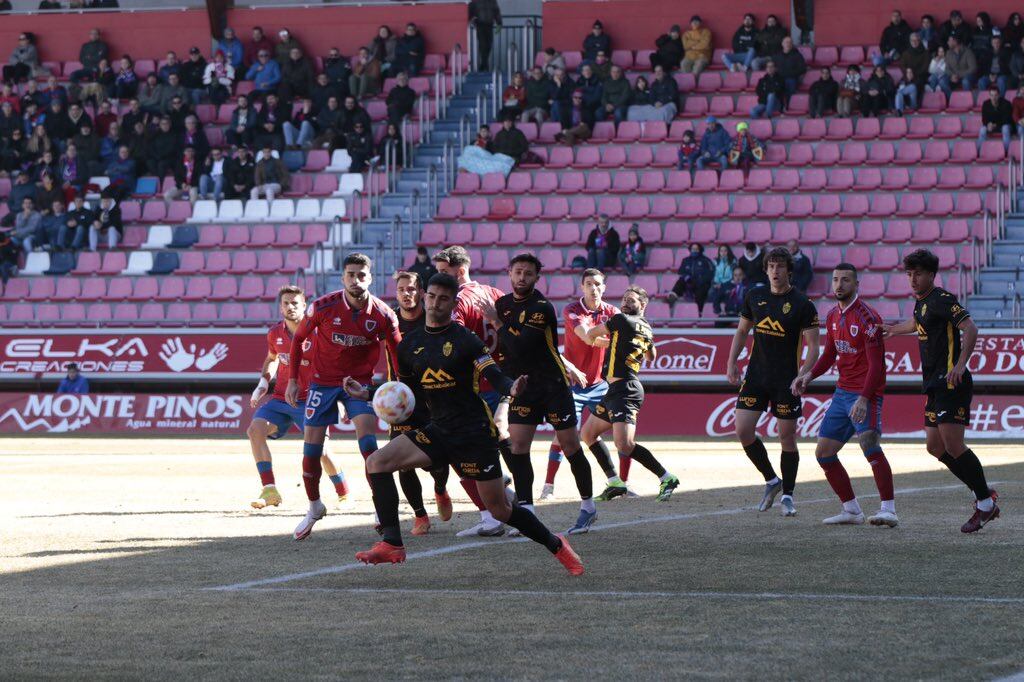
753	446
554	462
409	480
871	445
521	434
790	462
260	429
500	412
590	435
624	433
972	473
827	454
488	525
401	453
320	412
441	497
569	439
336	476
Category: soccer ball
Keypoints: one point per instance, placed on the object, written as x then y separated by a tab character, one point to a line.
394	402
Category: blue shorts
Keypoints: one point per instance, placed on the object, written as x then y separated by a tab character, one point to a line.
280	414
589	397
837	424
322	405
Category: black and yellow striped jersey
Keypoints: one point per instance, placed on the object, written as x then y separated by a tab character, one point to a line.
528	339
938	315
631	337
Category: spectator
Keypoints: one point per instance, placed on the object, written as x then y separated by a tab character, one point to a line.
422	266
803	272
996	118
401	99
577	121
641	103
212	180
49	4
596	42
879	93
178	111
40	143
323	89
485	17
393	136
73	173
538	97
171	66
359	144
513	98
269	123
350	113
48	192
106	220
151	96
633	254
906	90
915	57
5	6
981	36
328	121
259	43
265	74
90	55
241	174
1017	111
24	61
53	228
410	51
162	149
697	47
54	91
8	95
337	70
603	245
296	77
791	66
232	49
591	87
744	46
895	39
8	257
285	44
994	66
714	145
366	74
730	298
1013	32
98	86
27	226
243	124
195	137
109	142
937	69
725	262
74	382
751	262
771	91
511	141
824	93
122	172
689	152
850	92
601	67
695	276
553	61
746	150
961	67
954	27
78	221
105	118
301	129
126	83
1017	64
218	78
191	74
668	51
928	33
665	95
270	177
768	42
562	87
615	96
383	49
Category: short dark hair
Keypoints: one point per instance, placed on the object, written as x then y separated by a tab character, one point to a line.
779	254
455	256
921	259
444	281
290	289
640	292
405	274
592	272
847	266
72	365
526	258
357	259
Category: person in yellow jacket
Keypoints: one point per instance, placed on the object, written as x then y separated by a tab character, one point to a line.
697	47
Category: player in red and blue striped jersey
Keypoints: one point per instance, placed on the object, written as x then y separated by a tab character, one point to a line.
854	344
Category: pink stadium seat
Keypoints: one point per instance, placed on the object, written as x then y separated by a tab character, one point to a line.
449	209
854	154
882	206
678	182
475	208
716	206
894	128
730	232
250	288
721	105
885	258
898	286
937	151
785	230
705	181
555	208
854	206
459	233
218	262
813	129
493	183
650	182
432	233
643	60
153	212
758	231
991	151
826	154
629	131
786	180
920	127
571	182
144	289
603	131
868	232
224	289
858	256
976	177
178	312
813	180
840	232
839	179
866	129
598	182
41	289
948	128
940	204
171	288
560	157
113	263
786	130
967	205
466	183
908	154
703	232
827	258
544	182
955	231
690	207
582	208
236	236
799	105
675	233
800	154
640	156
868	179
191	262
961	101
566	234
262	236
694	107
743	207
244	262
101	312
839	129
500	209
800	206
872	285
759	180
67	289
485	234
512	234
587	157
826	206
731	180
659	259
613	157
910	205
826	56
896	179
924	178
210	236
775	156
813	232
518	183
637	207
898	232
772	206
654	131
540	234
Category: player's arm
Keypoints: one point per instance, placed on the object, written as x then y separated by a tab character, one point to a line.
823	364
812	343
906	327
739	339
268	370
593	334
970	337
581	328
652	353
501	382
392	337
302	332
576	377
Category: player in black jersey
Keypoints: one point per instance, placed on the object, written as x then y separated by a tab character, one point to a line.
411	315
528	338
444	361
938	321
630	342
780	316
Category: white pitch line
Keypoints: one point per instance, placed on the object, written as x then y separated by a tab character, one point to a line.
768	596
441	551
1015	677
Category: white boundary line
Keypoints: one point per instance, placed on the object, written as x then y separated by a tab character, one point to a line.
441	551
1015	677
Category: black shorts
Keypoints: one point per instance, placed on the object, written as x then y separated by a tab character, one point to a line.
474	455
396	430
551	402
757	397
949	406
622	402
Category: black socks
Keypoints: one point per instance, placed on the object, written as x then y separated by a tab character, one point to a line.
412	490
581	472
647	460
757	454
531	527
385	502
790	463
603	457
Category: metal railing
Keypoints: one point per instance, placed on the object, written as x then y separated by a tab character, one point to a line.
1016	310
514	45
396	238
356	201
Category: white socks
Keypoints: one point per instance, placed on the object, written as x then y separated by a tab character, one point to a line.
852	507
986	504
889	506
588	506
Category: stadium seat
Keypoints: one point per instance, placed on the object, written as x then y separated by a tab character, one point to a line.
256	209
139	263
230	210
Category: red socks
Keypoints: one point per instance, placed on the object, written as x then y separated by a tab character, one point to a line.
624	463
837	477
311	470
554	461
882	472
469	486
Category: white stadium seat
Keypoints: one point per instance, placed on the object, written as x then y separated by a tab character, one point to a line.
36	263
307	210
348	183
256	209
340	162
204	211
158	237
331	208
230	210
139	263
282	209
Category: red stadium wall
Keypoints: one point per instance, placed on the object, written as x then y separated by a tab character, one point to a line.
348	28
144	35
634	25
841	22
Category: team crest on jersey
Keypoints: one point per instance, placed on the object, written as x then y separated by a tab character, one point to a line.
522	317
371	325
310	412
336	321
854	330
307	344
310	309
279	341
447	348
786	308
960	413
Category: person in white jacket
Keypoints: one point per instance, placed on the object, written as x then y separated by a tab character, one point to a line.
218	78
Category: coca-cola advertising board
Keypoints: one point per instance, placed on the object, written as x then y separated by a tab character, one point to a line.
685	356
703	415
